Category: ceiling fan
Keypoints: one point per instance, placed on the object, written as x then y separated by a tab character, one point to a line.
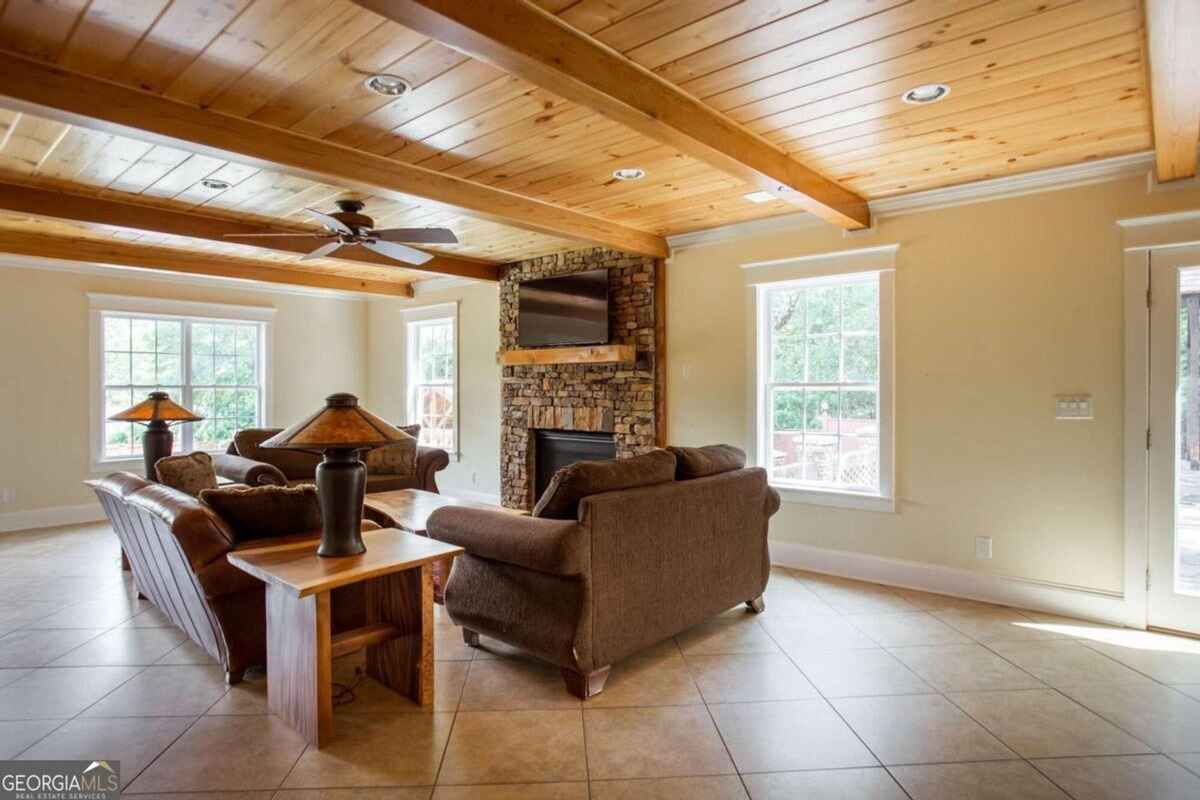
349	226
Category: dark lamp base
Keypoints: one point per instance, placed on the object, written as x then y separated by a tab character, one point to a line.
341	487
157	442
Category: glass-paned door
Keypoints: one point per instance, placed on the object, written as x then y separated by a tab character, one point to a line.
1174	514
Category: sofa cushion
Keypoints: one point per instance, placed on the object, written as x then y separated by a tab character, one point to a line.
412	430
190	473
395	459
700	462
576	481
295	464
265	512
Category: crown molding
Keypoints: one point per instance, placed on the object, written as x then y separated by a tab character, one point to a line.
12	261
1045	180
1173	229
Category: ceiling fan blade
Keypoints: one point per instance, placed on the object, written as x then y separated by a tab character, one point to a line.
400	252
417	235
324	250
332	223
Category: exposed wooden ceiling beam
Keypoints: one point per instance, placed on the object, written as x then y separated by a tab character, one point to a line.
126	254
1173	35
50	91
101	211
535	45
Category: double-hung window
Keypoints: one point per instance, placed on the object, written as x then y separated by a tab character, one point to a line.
209	362
432	374
824	401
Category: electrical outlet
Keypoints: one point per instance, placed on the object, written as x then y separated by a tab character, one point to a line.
983	547
7	495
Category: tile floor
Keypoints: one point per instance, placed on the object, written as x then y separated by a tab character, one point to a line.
841	689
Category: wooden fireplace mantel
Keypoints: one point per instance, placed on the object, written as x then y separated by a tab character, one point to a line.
590	354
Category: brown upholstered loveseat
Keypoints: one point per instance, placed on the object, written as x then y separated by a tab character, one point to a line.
632	568
246	462
176	547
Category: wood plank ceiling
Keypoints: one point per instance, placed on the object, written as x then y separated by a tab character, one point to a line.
1034	84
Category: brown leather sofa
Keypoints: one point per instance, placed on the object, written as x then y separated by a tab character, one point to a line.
633	567
176	547
246	462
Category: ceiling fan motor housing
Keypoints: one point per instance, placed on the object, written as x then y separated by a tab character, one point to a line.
349	214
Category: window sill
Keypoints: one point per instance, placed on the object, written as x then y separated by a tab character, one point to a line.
853	500
107	465
134	463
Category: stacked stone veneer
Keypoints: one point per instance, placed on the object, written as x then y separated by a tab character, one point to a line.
608	398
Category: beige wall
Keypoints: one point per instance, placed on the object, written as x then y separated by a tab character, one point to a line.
319	348
478	467
999	307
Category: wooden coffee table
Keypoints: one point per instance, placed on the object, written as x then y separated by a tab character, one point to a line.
398	634
410	509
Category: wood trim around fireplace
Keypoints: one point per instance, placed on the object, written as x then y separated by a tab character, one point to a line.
590	354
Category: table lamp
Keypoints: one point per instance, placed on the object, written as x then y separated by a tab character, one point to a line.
340	431
158	412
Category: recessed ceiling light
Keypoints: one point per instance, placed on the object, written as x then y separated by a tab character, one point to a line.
387	85
759	197
214	183
629	173
926	93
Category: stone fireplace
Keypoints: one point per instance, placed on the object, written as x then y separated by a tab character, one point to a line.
624	400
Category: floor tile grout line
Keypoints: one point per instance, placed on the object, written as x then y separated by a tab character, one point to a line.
1064	696
707	710
1172	759
587	763
835	710
437	775
1053	782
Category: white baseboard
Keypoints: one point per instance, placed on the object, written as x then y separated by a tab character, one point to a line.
50	517
1053	598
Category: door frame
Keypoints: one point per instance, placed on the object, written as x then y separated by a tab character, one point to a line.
1136	436
1141	236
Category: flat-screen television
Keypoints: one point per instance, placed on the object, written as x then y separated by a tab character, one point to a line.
564	310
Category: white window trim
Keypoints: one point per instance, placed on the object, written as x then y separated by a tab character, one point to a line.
425	314
154	307
828	268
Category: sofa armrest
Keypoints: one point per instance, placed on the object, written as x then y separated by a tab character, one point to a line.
429	461
773	501
248	471
545	545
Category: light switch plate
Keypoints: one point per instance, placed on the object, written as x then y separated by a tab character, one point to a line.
983	547
1073	406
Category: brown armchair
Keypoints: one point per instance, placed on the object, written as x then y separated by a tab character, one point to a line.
633	567
246	462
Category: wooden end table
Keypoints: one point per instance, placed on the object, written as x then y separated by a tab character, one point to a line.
410	510
398	634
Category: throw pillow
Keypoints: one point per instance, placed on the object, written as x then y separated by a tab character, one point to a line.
698	462
262	512
412	430
190	473
395	459
576	481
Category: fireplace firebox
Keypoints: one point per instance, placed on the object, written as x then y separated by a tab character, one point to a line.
553	450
